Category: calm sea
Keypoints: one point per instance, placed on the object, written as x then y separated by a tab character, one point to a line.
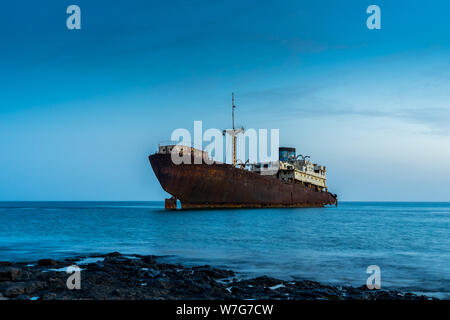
410	242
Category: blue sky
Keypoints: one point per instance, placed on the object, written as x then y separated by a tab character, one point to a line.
81	110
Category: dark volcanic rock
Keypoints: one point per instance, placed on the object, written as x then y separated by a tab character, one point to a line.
5	263
113	254
142	277
9	273
18	288
49	296
148	259
47	262
213	272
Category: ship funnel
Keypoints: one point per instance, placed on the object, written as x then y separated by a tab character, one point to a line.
286	153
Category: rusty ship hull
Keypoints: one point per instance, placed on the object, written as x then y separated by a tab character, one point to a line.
221	185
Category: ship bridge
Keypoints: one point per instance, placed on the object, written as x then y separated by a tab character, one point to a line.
294	168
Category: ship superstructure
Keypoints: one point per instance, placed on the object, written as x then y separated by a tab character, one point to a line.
294	168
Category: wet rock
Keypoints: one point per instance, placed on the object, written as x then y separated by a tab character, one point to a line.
121	277
160	283
148	259
115	260
5	263
214	273
9	273
116	292
57	282
113	254
17	288
149	273
264	281
47	262
49	296
24	275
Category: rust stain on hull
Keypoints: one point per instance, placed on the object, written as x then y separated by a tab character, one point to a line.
199	186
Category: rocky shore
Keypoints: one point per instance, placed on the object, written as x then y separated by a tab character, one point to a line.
115	276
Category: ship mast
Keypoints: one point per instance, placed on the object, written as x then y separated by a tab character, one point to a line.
234	136
233	132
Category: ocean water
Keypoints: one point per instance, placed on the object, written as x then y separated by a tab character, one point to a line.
410	242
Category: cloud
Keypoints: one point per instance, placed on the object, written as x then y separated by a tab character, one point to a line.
307	102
